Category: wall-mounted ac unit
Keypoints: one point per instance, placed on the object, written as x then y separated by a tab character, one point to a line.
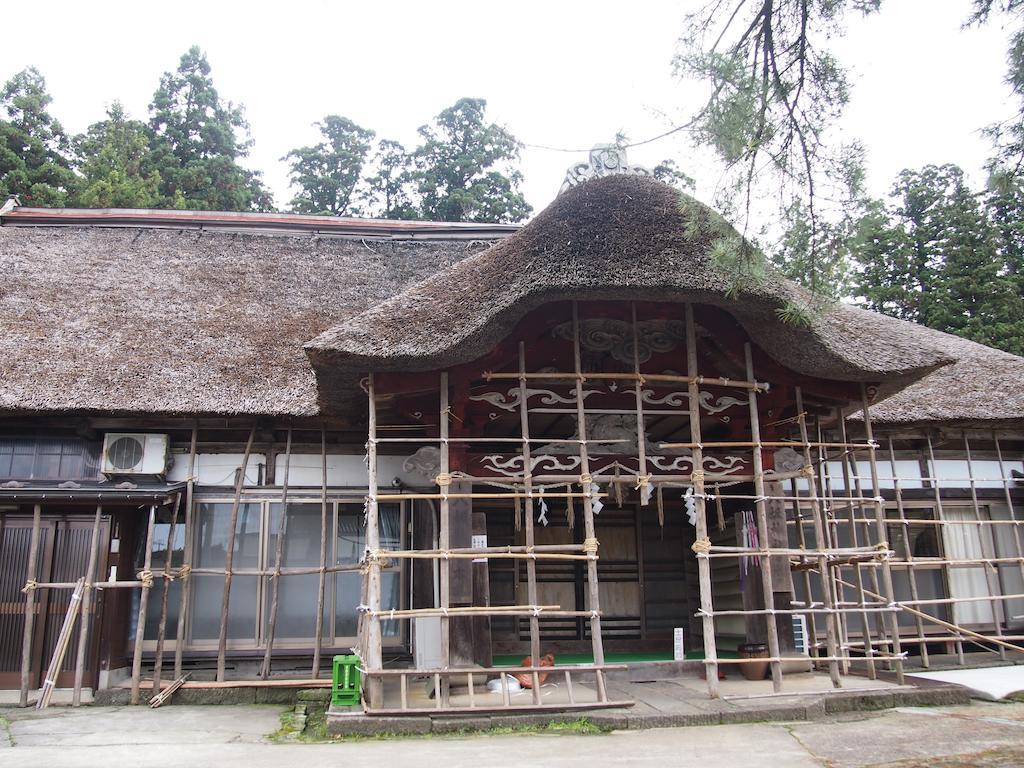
134	453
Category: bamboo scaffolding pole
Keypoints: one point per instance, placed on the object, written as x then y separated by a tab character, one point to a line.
30	604
579	378
371	652
590	532
711	659
526	495
282	528
1010	506
61	646
955	627
161	633
858	573
554	611
940	514
146	577
817	518
318	640
832	538
794	444
88	598
991	577
471	555
643	478
761	507
890	628
802	541
186	585
528	533
229	555
441	690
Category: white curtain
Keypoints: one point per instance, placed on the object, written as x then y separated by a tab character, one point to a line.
968	542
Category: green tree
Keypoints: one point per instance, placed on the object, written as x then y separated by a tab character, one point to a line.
775	90
327	173
464	168
116	164
668	172
1008	135
33	145
938	258
389	190
197	145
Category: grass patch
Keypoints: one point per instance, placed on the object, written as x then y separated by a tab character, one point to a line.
316	730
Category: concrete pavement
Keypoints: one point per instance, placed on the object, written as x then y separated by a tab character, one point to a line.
226	736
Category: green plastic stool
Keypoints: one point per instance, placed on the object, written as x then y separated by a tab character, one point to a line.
345	691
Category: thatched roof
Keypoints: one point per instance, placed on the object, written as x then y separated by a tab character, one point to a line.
184	320
984	387
163	312
616	237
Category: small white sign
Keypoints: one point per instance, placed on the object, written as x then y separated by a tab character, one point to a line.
479	541
678	652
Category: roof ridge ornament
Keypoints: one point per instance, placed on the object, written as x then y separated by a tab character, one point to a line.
605	160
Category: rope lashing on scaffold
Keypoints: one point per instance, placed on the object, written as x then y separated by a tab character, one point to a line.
184	573
590	547
146	577
443	479
701	547
30	586
697	476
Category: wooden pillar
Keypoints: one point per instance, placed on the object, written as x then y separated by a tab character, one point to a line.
531	565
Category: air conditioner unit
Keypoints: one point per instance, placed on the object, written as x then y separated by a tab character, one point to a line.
133	453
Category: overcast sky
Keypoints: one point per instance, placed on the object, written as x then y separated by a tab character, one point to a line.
559	74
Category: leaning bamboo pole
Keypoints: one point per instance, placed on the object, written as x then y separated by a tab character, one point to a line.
61	646
940	515
88	599
531	566
161	633
146	577
282	527
183	574
702	544
30	604
229	555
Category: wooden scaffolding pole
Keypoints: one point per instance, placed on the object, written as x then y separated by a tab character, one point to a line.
832	538
61	646
818	518
1010	506
908	553
229	555
880	531
761	505
275	578
88	600
703	543
372	651
933	473
443	480
146	577
318	641
531	565
186	567
30	604
991	575
586	481
854	539
161	632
